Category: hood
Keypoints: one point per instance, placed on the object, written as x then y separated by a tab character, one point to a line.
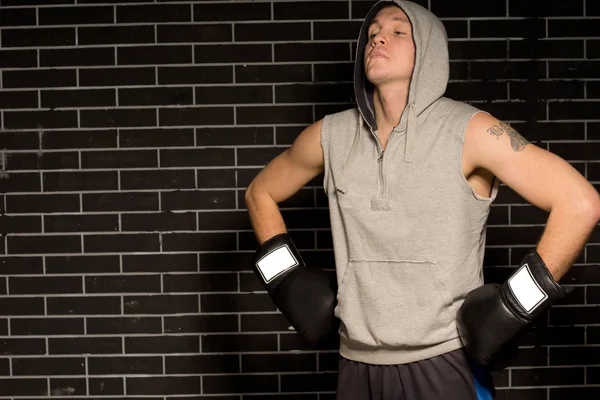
430	73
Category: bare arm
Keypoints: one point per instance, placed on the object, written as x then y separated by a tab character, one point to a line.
542	178
282	178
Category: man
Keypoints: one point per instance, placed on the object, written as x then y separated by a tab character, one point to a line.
410	176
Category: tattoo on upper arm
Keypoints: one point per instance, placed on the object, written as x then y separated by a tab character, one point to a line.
517	141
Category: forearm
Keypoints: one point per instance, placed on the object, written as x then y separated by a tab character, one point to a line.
567	231
264	214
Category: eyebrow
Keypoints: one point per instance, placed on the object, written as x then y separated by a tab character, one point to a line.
401	19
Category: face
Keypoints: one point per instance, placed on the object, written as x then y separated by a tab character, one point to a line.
390	50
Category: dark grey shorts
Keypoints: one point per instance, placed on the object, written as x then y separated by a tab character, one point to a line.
450	376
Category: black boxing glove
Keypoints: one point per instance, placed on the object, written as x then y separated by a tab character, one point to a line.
492	316
306	296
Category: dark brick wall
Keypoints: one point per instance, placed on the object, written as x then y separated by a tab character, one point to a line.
130	131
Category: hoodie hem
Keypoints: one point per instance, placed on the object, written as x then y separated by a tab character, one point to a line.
381	356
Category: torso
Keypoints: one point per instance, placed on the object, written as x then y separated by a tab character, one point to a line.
480	179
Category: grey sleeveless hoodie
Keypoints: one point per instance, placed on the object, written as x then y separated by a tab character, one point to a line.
408	230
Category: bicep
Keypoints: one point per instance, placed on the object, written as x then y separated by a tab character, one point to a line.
539	176
292	169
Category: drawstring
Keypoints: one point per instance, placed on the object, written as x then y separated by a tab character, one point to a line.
343	182
410	133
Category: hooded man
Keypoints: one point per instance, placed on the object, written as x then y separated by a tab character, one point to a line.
410	176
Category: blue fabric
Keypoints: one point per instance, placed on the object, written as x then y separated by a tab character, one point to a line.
483	383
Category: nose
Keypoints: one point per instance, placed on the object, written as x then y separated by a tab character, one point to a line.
379	38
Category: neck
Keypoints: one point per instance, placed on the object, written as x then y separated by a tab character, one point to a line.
389	102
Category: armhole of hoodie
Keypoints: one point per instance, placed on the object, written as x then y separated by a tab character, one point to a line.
325	147
495	182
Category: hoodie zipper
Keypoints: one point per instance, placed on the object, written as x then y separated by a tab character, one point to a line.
381	152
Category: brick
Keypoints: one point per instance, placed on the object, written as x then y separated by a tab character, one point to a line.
216	178
79	139
117	118
39	78
160	263
23	387
574	355
44	285
234	136
460	50
123	325
196	116
75	16
232	12
542	90
309	382
42	160
336	72
574	69
20	224
198	241
124	365
273	32
233	94
232	53
81	223
456	29
223	303
47	366
211	157
593	172
539	8
121	243
122	201
528	215
527	28
154	55
201	323
574	315
83	305
163	385
46	326
515	110
508	70
20	182
274	114
202	364
62	386
336	30
162	344
312	52
158	179
591	392
165	221
538	131
275	73
23	346
38	37
71	181
576	151
21	265
469	8
194	33
264	322
17	59
36	2
106	386
82	264
18	99
513	235
18	17
42	203
197	200
116	76
314	93
77	98
546	48
20	306
547	376
77	57
239	343
575	27
223	220
161	304
22	140
459	70
119	159
154	13
43	244
195	74
115	35
574	110
203	282
156	137
230	261
463	91
307	10
240	384
155	96
40	119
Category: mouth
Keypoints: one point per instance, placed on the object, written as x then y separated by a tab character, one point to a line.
377	54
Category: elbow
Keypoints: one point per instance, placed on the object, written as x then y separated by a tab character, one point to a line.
591	208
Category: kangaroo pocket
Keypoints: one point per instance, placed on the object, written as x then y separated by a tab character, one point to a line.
397	304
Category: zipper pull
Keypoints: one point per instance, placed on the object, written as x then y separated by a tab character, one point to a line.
380	156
